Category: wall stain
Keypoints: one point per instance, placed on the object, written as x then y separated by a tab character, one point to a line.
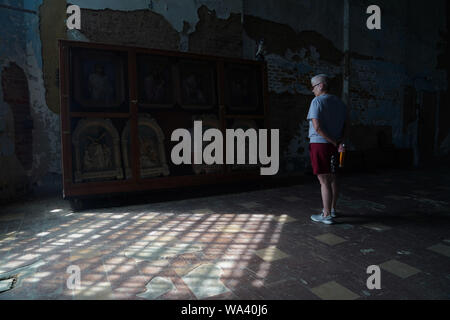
52	15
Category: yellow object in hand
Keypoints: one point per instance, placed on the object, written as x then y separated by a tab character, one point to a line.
341	157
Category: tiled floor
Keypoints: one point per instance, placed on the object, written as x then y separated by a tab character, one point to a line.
251	245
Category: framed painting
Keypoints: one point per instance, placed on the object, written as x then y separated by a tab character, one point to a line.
243	89
96	151
152	152
197	85
155	82
99	80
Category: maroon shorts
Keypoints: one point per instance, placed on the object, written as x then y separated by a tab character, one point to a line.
324	158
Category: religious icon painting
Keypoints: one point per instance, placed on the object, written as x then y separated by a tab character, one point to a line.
243	88
152	152
197	85
96	151
155	82
99	80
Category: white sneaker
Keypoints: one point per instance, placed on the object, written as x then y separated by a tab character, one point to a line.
333	213
321	218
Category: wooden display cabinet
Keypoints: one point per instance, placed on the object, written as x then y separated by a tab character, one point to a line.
120	105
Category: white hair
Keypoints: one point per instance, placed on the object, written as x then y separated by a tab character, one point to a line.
321	78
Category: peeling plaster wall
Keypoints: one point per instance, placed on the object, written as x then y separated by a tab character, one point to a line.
398	75
30	36
13	177
306	37
404	54
21	45
52	14
376	91
141	28
297	48
321	16
46	131
181	15
215	35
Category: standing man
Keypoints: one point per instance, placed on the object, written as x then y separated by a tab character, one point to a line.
327	131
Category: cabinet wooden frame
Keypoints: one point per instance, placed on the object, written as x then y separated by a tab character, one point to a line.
136	182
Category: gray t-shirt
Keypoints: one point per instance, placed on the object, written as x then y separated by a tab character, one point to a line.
331	113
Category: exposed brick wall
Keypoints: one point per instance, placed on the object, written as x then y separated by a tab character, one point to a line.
377	99
16	94
280	38
137	28
292	59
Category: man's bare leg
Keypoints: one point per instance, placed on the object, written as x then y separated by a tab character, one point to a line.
327	194
335	191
